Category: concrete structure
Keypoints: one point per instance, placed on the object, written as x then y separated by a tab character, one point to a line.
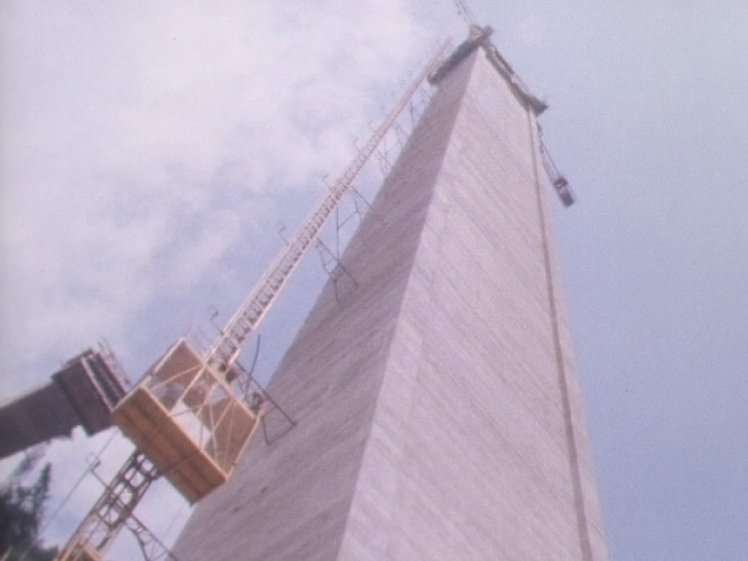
436	400
82	393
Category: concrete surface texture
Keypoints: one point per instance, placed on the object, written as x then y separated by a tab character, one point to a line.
437	406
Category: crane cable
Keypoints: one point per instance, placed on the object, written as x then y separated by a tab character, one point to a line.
464	11
66	498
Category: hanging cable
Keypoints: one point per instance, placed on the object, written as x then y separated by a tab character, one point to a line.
464	11
89	469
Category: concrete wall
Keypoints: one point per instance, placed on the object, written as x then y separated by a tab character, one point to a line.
438	415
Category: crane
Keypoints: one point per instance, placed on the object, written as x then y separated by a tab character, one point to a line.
224	351
193	413
558	180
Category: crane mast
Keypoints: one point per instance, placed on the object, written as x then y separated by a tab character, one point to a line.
227	347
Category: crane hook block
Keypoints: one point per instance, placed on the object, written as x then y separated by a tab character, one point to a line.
561	185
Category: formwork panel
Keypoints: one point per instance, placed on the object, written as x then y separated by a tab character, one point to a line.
143	419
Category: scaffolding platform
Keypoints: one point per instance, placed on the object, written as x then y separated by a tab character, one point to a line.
186	419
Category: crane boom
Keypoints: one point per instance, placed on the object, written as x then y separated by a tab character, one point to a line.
227	346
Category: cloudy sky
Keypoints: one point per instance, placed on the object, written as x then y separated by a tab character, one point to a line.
150	151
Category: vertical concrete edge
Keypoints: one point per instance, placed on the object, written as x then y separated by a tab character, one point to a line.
388	383
570	427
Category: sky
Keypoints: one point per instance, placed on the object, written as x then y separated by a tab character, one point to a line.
151	155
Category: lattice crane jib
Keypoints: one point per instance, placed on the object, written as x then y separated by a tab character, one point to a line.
228	346
191	414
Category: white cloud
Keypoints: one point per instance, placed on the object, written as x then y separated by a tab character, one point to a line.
137	135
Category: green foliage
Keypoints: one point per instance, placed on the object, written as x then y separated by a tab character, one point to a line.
21	512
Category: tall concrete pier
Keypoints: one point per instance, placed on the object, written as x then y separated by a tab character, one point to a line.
437	408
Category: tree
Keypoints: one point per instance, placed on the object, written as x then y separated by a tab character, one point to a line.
22	510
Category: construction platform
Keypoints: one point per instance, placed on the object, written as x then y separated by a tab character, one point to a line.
186	419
